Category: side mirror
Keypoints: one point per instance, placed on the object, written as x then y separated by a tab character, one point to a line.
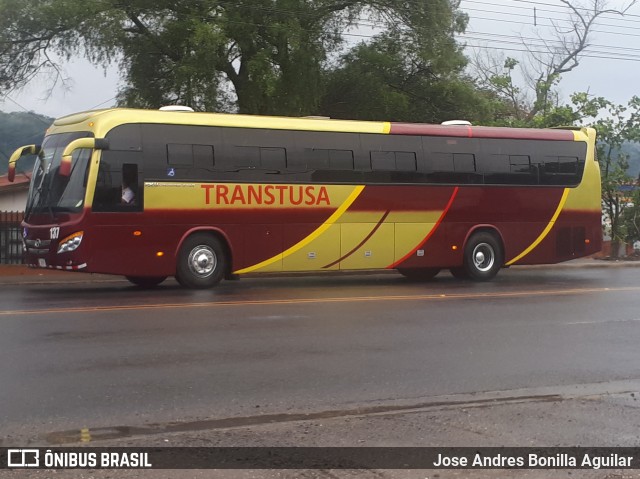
67	153
19	153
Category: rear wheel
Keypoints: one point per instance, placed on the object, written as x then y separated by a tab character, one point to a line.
202	261
419	274
146	281
483	256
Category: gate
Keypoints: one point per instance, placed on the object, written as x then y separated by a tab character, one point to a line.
11	237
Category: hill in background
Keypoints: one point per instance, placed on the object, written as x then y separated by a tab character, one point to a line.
633	150
19	129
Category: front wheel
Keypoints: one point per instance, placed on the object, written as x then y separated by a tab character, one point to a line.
419	274
483	256
202	262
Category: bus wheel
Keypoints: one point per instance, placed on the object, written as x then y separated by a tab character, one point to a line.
146	281
201	262
482	256
419	274
459	273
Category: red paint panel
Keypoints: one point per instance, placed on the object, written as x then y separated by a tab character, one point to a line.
110	246
481	132
519	215
403	198
214	217
567	238
497	204
259	242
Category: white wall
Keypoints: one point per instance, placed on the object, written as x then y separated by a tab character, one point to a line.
13	200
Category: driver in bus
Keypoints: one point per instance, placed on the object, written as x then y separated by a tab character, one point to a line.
128	184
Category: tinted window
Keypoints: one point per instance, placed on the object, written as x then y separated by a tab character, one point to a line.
383	160
241	154
179	155
119	184
393	161
273	158
519	164
439	161
464	162
406	161
203	156
321	159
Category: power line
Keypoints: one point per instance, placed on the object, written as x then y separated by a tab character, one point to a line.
583	55
100	104
468	33
591	54
617	55
28	111
563	9
546	18
527	23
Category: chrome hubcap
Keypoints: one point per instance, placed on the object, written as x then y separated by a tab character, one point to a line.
202	261
483	257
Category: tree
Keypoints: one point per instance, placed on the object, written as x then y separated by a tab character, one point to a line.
616	126
537	102
621	124
399	78
254	56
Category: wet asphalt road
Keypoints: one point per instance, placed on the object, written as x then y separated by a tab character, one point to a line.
82	354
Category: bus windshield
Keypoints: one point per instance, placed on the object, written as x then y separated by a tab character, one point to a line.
50	192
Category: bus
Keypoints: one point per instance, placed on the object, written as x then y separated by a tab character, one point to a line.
205	196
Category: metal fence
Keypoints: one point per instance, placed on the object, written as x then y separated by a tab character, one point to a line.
11	237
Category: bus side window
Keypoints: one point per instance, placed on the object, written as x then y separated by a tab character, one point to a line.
129	188
104	193
117	187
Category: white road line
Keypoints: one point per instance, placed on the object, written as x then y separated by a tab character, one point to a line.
605	321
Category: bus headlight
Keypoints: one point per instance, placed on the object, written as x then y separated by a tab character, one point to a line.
71	242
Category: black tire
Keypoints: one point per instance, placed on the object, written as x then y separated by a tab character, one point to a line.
459	273
146	281
202	261
483	256
419	274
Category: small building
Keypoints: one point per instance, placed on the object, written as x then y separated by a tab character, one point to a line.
13	199
13	196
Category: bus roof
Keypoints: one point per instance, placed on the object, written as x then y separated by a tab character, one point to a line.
100	122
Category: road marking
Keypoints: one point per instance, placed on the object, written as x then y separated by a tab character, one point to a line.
355	299
605	321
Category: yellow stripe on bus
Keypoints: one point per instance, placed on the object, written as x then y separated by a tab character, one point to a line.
301	244
544	233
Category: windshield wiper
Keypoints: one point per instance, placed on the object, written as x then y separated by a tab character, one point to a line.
42	199
37	196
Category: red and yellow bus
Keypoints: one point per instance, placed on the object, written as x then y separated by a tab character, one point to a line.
212	196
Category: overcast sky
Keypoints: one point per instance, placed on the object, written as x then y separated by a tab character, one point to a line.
611	67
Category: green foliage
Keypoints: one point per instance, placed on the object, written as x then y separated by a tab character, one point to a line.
20	129
395	78
621	125
251	56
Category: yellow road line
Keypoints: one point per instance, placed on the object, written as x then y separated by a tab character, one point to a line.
355	299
